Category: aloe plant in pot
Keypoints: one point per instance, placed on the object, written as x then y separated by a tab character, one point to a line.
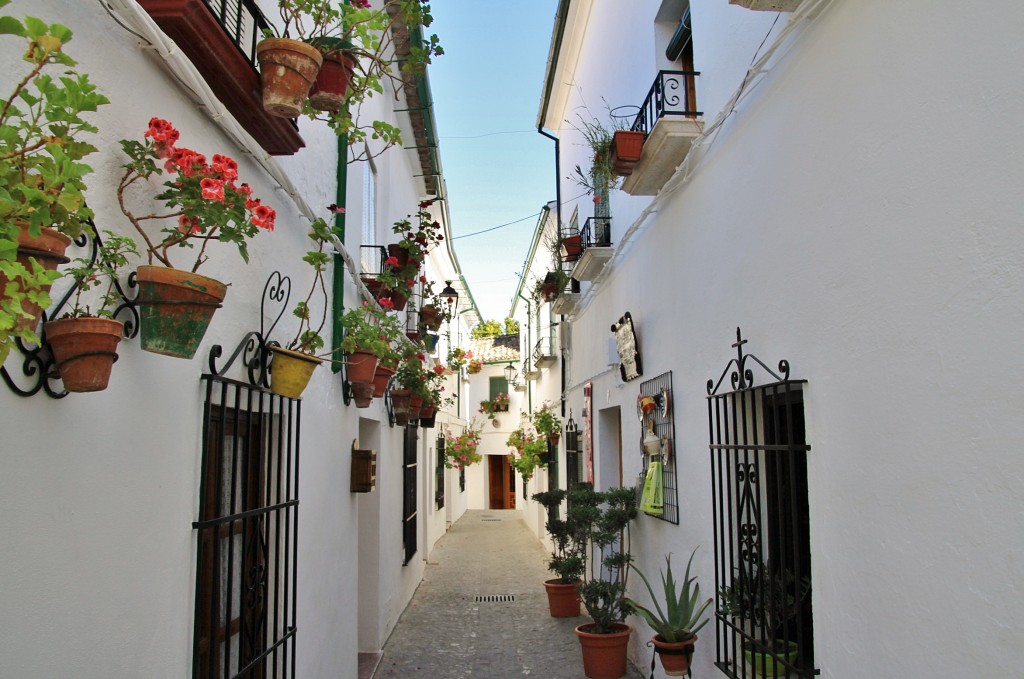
676	625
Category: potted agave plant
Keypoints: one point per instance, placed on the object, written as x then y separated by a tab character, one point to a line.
43	139
294	364
84	341
676	625
206	203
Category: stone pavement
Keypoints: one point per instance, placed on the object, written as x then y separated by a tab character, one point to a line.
447	633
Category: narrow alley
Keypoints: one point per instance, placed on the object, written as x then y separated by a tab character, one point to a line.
481	610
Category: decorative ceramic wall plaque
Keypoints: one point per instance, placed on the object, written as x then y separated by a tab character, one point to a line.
630	366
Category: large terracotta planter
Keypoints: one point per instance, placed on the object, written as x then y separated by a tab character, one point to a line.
360	367
572	248
604	655
400	400
675	657
331	85
627	146
47	250
381	377
290	371
563	598
362	394
288	70
176	308
84	350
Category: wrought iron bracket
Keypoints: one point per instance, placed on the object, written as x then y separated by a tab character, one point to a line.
254	347
38	368
741	376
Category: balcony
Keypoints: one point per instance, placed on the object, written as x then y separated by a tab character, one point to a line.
566	303
220	37
668	117
596	248
544	351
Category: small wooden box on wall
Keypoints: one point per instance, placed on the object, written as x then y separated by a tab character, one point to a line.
364	469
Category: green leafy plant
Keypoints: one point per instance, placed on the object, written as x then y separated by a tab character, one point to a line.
767	597
307	339
206	201
42	176
549	287
601	177
106	267
529	451
460	450
498	404
458	358
604	517
370	328
367	36
568	559
680	619
545	421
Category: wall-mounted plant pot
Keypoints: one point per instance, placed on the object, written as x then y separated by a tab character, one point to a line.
48	251
430	317
428	415
415	405
331	86
627	146
572	247
362	394
400	401
290	371
675	657
554	438
84	350
288	70
360	366
176	308
381	377
430	342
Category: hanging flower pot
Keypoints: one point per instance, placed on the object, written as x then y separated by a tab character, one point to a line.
675	657
554	438
400	401
430	317
362	394
381	377
288	70
572	248
400	297
290	371
399	253
360	367
627	146
430	342
331	85
48	250
84	350
415	405
604	655
428	413
176	308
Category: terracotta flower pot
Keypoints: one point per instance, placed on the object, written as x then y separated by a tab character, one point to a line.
627	146
381	377
675	657
563	598
572	248
362	394
554	438
400	400
430	317
288	70
604	655
84	350
48	251
415	405
290	371
331	85
176	308
360	367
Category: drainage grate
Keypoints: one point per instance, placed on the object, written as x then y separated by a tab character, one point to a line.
490	598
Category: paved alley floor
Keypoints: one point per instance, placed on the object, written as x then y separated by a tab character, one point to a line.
446	632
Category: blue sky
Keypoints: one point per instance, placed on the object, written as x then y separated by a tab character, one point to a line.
498	169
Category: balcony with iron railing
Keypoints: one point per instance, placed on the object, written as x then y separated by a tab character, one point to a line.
595	248
668	116
219	37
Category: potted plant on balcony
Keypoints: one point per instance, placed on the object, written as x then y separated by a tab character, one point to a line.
401	272
567	559
766	598
474	366
498	404
605	518
547	423
205	203
43	139
84	341
548	288
676	625
460	450
627	145
601	177
293	365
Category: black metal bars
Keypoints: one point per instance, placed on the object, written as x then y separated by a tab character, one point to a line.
673	93
243	22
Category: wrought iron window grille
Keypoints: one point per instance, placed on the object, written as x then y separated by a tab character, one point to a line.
596	233
38	367
662	422
671	94
758	455
574	467
439	486
409	501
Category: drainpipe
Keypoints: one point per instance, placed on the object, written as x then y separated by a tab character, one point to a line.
558	208
338	280
529	344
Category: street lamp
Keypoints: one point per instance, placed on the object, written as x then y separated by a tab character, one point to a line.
451	298
510	372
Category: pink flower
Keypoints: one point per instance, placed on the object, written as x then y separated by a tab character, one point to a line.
336	209
386	303
213	189
263	216
361	4
226	167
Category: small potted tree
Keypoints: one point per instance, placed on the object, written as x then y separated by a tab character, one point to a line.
568	558
604	517
84	341
43	140
205	203
676	625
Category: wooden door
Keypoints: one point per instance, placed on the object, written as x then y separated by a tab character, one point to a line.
501	483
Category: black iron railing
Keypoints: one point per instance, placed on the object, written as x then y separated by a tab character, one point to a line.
672	94
761	522
596	233
409	501
243	22
439	487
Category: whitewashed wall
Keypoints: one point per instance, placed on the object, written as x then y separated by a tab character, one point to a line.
858	215
100	490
